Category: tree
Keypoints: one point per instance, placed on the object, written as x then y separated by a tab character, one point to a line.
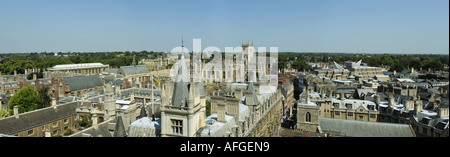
300	65
4	113
85	121
26	99
44	97
208	107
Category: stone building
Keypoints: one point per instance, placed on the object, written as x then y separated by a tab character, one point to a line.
428	119
138	75
82	68
45	122
184	113
244	110
307	116
81	86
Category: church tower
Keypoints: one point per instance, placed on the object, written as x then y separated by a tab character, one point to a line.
110	102
184	114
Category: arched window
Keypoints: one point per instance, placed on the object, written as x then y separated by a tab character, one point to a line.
308	117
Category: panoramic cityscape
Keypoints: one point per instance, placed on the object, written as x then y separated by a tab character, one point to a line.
259	69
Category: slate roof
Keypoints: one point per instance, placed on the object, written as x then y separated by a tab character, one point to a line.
83	82
29	120
353	128
102	130
180	91
132	70
119	131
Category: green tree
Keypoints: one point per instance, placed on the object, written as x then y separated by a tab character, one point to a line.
26	99
68	132
4	113
300	65
85	121
208	108
44	97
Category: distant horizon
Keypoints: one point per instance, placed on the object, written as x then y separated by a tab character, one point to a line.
355	53
344	26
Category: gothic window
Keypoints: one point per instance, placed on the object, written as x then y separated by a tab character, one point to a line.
308	117
177	127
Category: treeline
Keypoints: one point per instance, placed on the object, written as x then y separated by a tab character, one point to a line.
397	62
299	61
44	60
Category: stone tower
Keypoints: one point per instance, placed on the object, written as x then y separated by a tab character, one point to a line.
110	102
183	114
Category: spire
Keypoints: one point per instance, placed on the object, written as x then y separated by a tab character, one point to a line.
143	111
120	128
182	44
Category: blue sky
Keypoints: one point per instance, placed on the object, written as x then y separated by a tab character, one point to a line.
354	26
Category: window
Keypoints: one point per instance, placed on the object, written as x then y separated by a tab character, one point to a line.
177	127
55	124
336	105
361	117
350	114
349	106
373	116
337	113
30	132
425	131
308	117
66	120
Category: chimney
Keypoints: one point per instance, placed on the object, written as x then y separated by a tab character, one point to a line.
94	120
442	112
342	95
377	99
15	72
417	107
47	133
16	111
221	112
391	99
54	102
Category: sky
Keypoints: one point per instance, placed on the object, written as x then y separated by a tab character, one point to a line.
345	26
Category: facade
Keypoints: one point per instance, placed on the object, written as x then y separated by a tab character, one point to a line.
137	75
307	116
184	113
428	119
245	110
81	86
82	68
45	122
